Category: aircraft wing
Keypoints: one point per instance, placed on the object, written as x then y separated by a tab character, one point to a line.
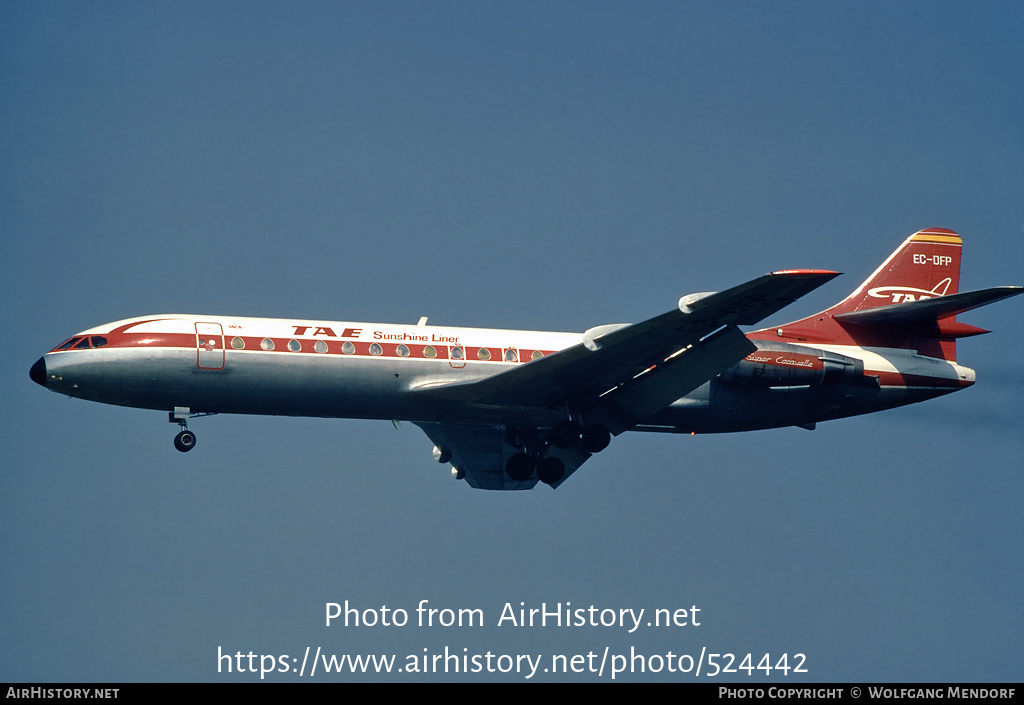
618	376
687	346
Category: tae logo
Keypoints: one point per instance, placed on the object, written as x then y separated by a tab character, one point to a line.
904	294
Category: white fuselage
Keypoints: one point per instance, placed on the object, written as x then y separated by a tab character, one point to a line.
221	364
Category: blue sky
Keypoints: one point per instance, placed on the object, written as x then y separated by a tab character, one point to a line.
518	165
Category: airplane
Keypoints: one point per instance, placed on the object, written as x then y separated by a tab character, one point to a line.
509	408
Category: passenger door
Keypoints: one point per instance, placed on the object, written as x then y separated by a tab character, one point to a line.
209	346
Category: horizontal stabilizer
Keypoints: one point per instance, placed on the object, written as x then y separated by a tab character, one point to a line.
927	311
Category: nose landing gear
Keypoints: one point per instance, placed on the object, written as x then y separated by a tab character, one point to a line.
185	440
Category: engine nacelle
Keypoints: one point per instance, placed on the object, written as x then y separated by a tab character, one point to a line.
785	365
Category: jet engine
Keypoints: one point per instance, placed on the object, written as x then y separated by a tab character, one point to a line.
785	365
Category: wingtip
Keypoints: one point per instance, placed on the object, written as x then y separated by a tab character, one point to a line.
815	273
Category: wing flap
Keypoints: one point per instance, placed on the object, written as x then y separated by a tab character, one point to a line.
659	386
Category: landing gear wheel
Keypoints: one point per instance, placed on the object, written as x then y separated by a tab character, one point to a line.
520	466
185	441
550	470
595	438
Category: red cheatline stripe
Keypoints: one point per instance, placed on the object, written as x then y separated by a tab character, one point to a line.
118	338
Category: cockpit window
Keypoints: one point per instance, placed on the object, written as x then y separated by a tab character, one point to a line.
67	343
83	344
98	341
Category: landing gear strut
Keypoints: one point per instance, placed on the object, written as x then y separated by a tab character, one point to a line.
564	435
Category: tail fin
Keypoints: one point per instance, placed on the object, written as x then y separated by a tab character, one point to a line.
910	301
926	265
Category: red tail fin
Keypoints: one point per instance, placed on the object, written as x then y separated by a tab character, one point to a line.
925	266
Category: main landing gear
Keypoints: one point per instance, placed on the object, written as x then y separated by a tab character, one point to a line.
534	453
522	465
185	440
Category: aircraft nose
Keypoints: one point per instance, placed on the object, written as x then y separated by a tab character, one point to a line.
38	372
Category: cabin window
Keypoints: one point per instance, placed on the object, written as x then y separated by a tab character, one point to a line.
403	350
376	349
320	346
429	351
237	343
457	353
347	347
294	345
537	354
267	344
511	356
483	354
